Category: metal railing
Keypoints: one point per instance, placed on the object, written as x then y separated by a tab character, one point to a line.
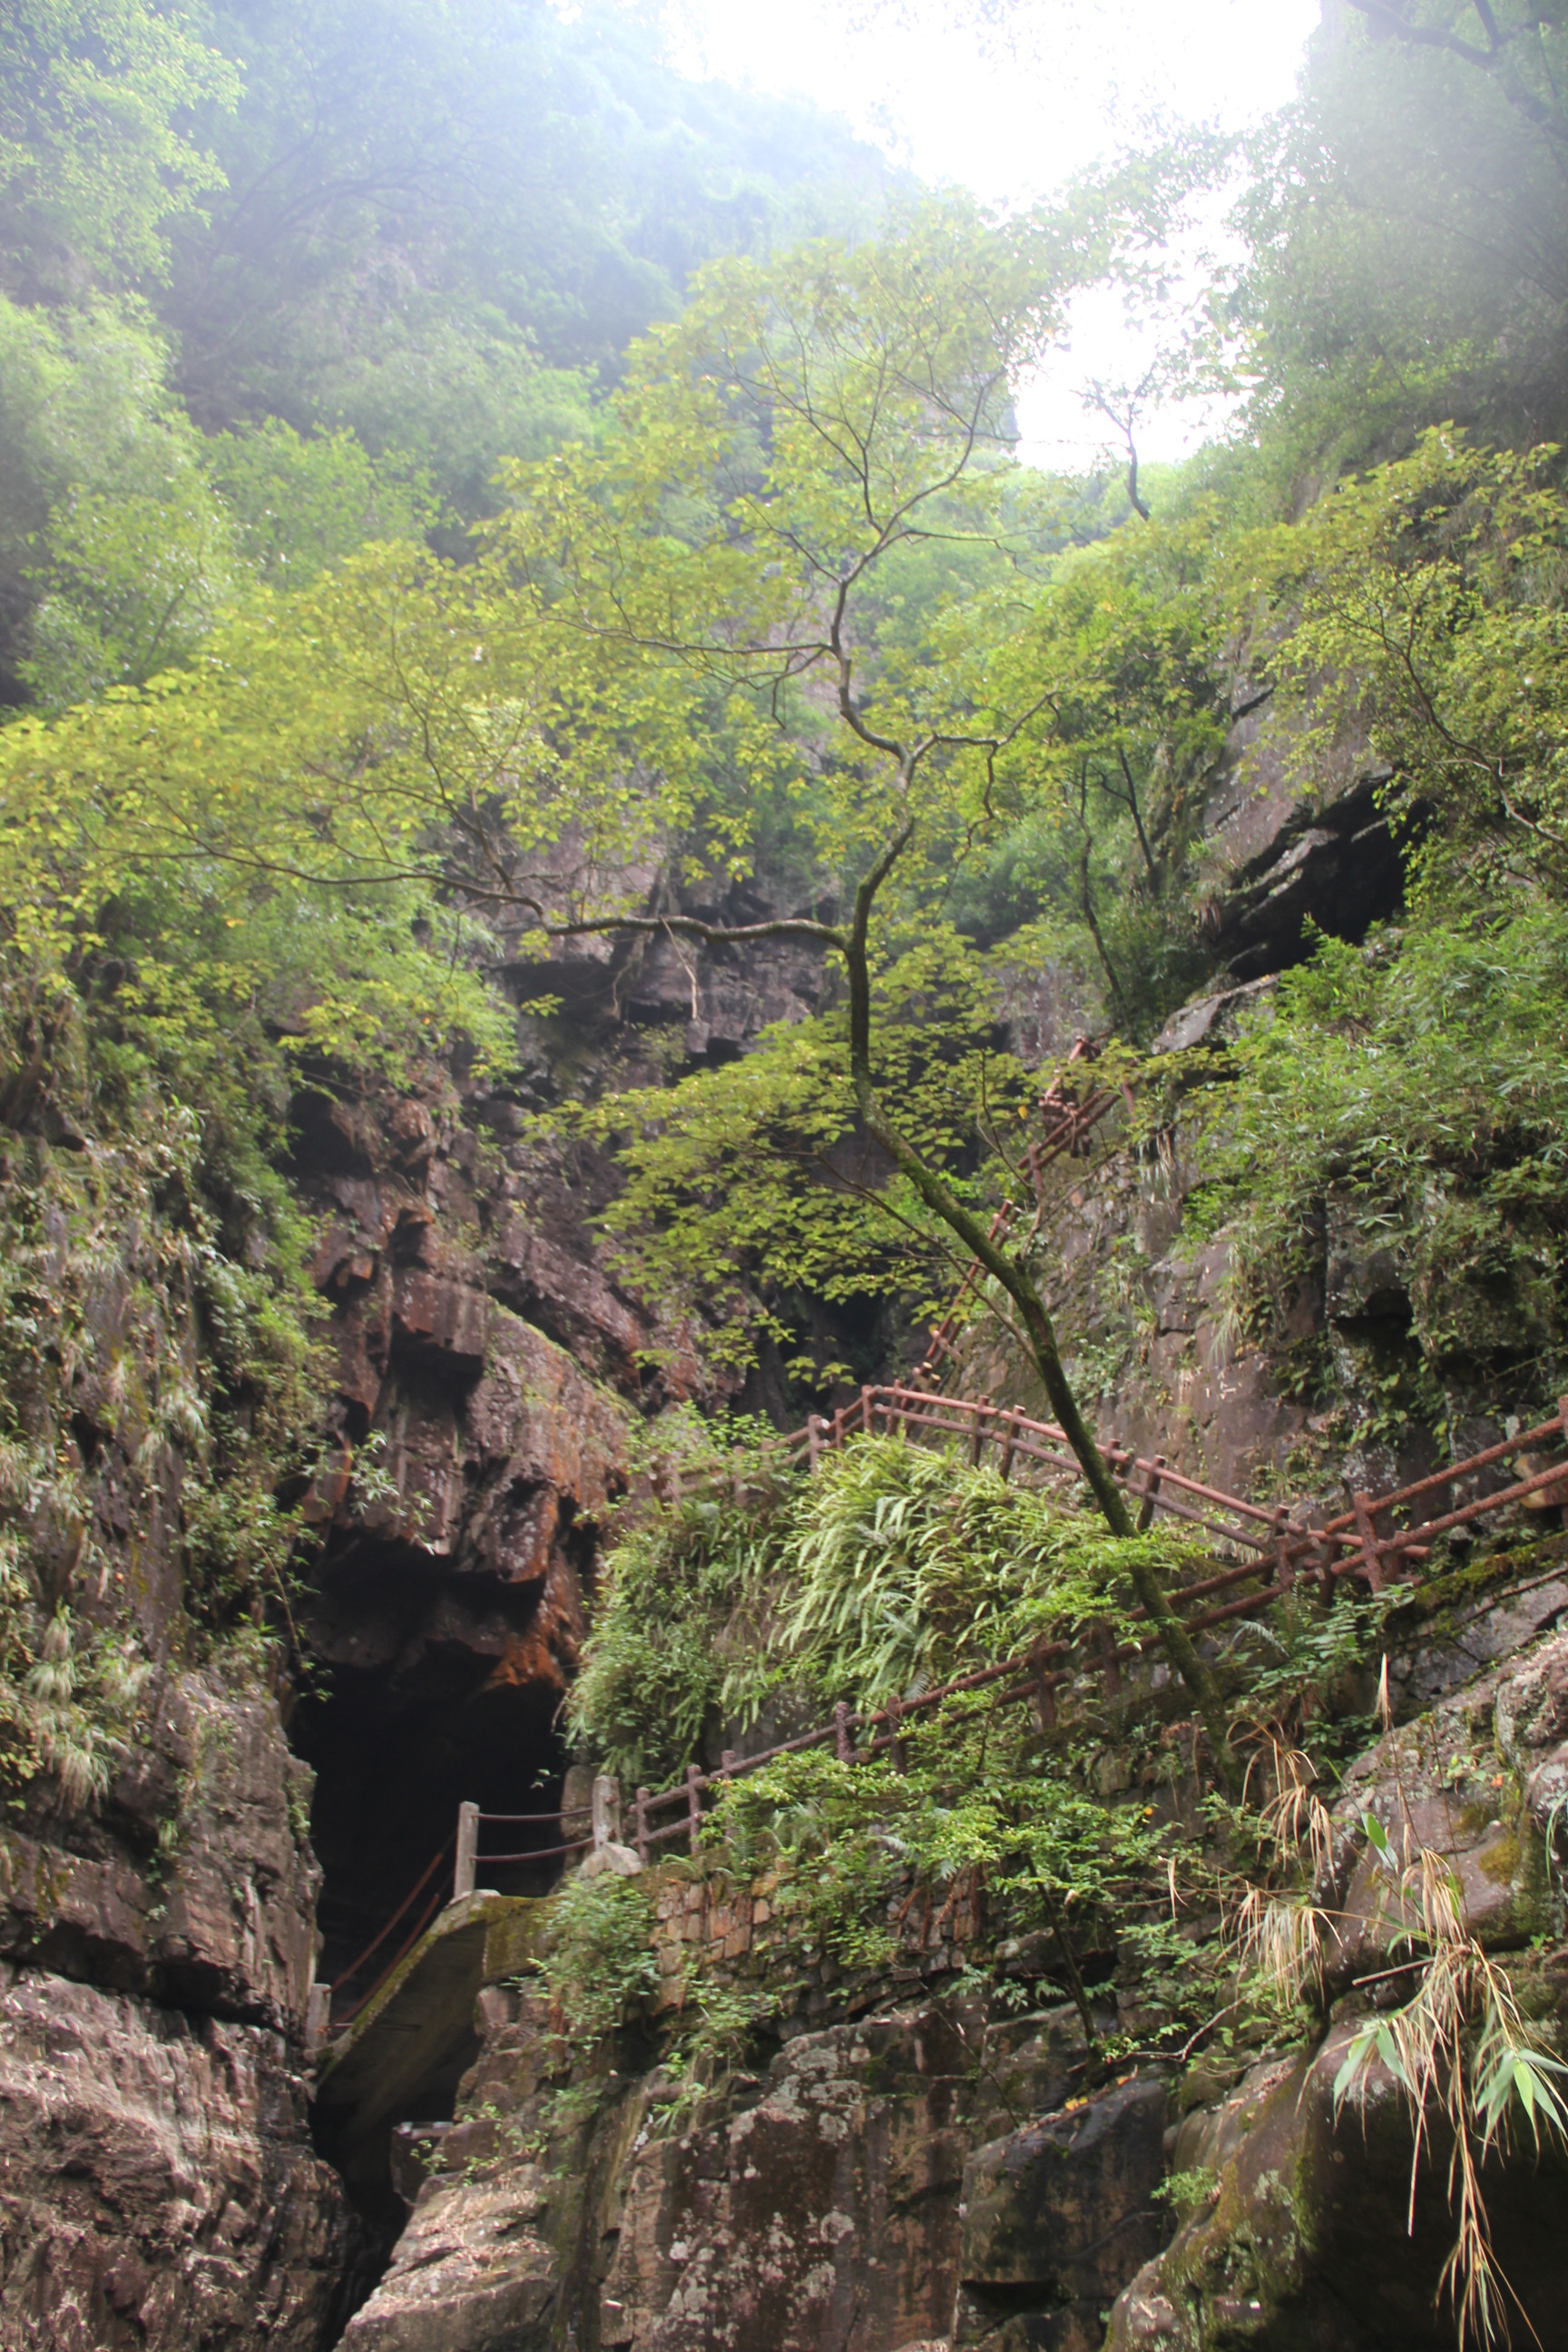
1284	1555
1380	1539
1284	1552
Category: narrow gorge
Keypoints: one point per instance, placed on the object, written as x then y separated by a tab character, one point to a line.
783	1313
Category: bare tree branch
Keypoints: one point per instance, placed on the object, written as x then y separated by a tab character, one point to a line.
786	927
1493	61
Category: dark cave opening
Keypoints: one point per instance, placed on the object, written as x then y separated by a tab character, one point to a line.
430	1688
399	1741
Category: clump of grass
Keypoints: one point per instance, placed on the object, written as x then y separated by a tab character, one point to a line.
1466	2060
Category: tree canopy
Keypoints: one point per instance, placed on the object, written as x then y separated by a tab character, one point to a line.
766	640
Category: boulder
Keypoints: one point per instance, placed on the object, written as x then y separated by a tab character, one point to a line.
1054	2216
1304	2243
1362	1282
1209	1020
472	2272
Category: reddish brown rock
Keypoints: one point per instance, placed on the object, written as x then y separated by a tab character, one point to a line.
554	1425
569	1297
226	1923
237	1930
441	1322
91	1915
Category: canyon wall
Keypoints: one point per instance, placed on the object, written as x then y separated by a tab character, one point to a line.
903	2158
160	2186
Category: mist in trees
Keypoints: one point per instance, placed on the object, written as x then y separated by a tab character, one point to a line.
453	467
277	282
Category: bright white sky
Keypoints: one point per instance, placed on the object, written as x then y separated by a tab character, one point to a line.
1013	125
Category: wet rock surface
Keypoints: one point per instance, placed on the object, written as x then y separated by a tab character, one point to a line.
1054	2216
1302	2243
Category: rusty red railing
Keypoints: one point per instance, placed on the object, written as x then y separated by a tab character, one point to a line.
1283	1549
1283	1554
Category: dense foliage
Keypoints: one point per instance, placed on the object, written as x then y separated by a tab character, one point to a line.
764	644
889	1573
274	283
465	491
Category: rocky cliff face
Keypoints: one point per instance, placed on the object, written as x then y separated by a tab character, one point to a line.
914	2164
906	2166
874	2188
1339	1391
159	1944
488	1373
160	2188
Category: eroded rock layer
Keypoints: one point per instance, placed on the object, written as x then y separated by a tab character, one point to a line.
158	2190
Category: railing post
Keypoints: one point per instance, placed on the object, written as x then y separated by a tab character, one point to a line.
1366	1531
606	1813
838	1429
466	1868
1151	1495
693	1807
1284	1559
977	1431
642	1826
1008	1444
866	1409
317	2017
813	1440
843	1745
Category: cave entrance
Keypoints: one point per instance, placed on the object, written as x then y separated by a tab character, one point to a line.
423	1698
397	1744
